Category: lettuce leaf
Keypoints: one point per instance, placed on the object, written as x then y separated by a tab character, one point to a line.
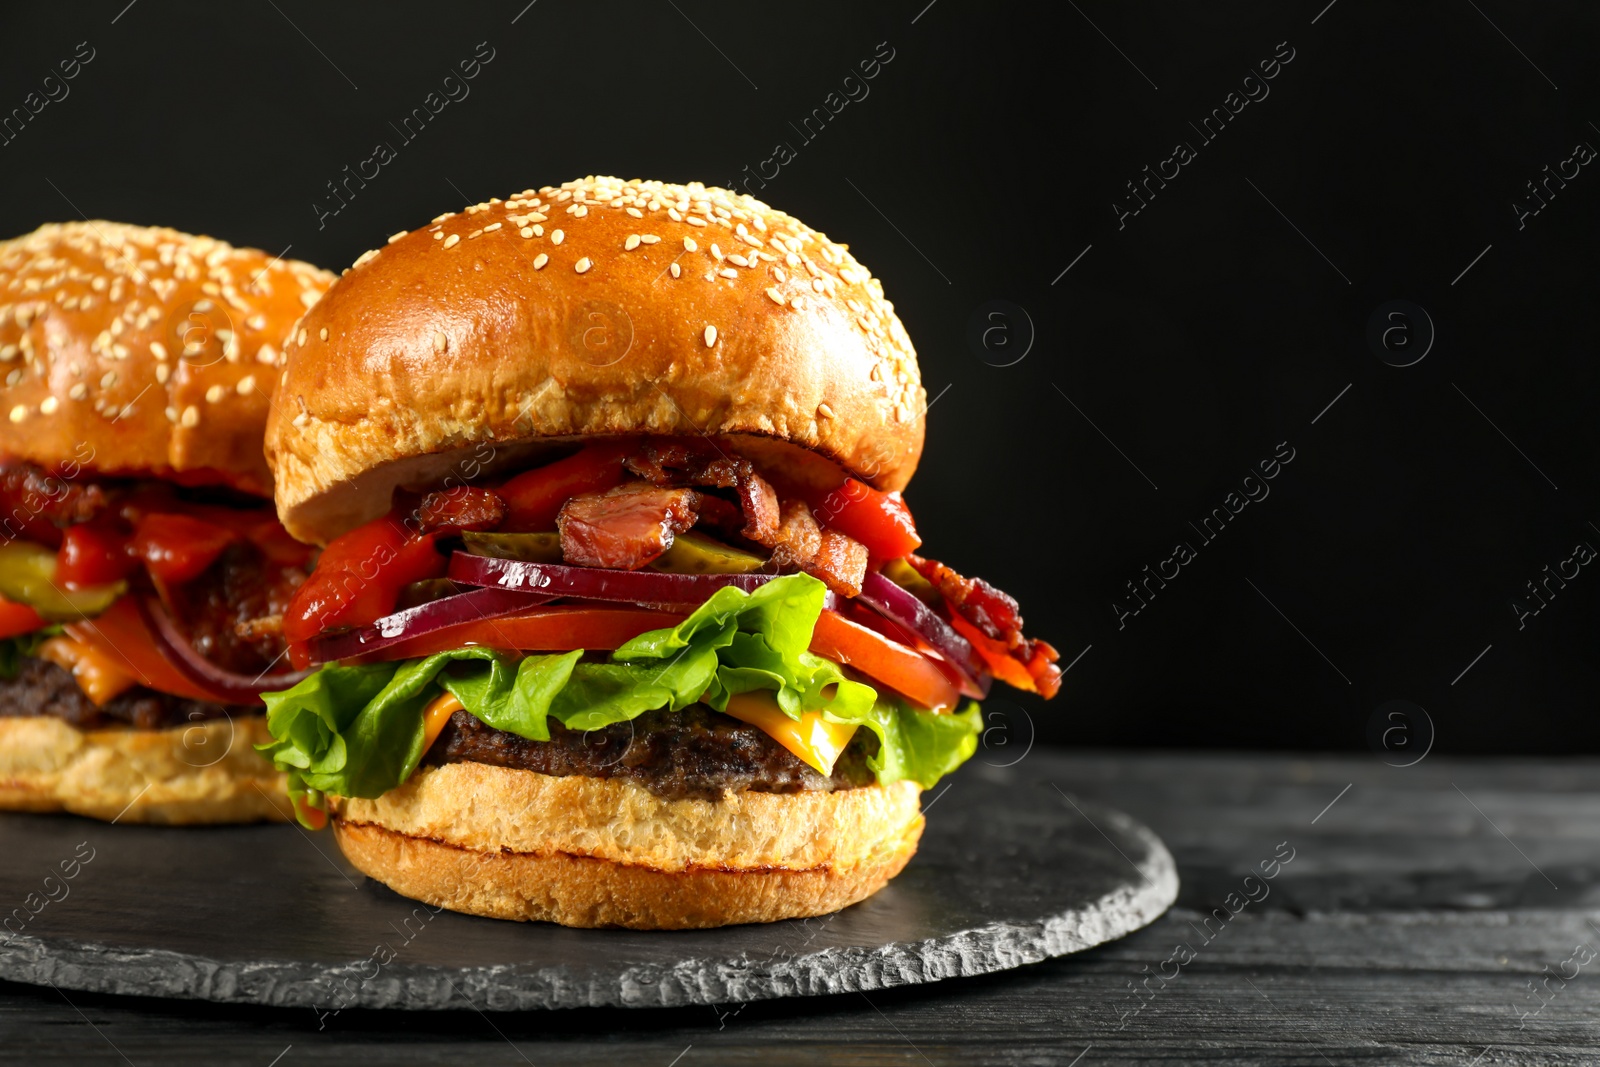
357	730
13	650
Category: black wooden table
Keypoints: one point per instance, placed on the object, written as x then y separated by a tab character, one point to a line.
1445	913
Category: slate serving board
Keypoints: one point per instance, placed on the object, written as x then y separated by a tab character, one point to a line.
1013	869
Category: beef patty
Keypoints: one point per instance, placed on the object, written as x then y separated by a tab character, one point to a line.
696	753
43	688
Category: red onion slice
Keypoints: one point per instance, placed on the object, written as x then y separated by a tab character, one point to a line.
907	610
600	583
470	606
226	687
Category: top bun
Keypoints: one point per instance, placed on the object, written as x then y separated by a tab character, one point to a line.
136	351
599	307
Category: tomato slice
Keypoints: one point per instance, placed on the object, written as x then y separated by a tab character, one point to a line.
534	497
358	579
17	619
177	548
91	554
119	634
897	666
552	629
881	521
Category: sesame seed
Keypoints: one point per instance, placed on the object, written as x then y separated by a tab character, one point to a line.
493	226
649	239
395	237
798	303
309	297
711	336
8	352
825	411
694	220
266	354
557	237
631	243
672	213
538	231
438	235
47	406
190	417
675	270
777	297
738	260
536	217
689	245
728	272
214	394
526	231
158	350
474	234
108	379
19	413
540	260
442	218
716	253
582	265
579	212
247	385
453	240
14	377
78	391
323	333
440	342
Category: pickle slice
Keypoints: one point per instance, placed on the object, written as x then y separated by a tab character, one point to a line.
27	576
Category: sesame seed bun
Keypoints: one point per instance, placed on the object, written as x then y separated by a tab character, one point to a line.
599	307
515	844
138	351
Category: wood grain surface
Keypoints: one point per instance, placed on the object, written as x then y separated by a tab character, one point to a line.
1446	913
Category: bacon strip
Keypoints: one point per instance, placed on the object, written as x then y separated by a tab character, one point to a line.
625	527
460	508
996	616
798	541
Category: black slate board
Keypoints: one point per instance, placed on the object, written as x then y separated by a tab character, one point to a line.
1012	870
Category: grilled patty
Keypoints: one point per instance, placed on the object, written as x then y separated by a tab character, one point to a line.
695	753
43	688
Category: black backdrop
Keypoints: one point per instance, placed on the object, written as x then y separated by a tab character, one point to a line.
1154	343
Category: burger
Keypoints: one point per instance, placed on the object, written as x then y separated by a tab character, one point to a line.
620	618
143	572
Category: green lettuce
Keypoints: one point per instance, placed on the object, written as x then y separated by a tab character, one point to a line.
13	650
357	730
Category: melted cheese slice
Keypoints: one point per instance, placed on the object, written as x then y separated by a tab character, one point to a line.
435	715
96	673
815	740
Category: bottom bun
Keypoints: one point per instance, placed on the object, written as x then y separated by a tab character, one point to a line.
203	772
514	844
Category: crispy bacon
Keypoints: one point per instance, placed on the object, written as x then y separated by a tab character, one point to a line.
796	540
625	527
36	504
996	616
460	508
676	462
841	561
761	512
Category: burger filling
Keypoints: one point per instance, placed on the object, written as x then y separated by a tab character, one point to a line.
650	608
138	602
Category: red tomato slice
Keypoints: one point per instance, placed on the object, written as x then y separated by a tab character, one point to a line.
177	548
881	521
119	633
18	619
534	497
553	629
91	554
897	666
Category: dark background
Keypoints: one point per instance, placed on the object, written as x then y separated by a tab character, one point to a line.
1197	335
